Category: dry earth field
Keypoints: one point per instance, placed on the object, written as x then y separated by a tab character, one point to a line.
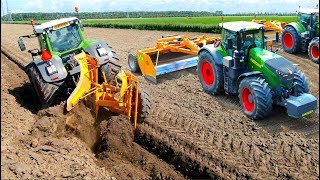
189	134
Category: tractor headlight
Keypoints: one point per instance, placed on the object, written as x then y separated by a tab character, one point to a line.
102	51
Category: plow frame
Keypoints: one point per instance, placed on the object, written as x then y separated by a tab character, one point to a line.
116	99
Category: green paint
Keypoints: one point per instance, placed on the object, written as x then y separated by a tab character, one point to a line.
140	57
257	58
298	26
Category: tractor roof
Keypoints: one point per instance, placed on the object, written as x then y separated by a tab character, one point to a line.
309	11
241	26
51	24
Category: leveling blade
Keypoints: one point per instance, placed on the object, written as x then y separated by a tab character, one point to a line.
152	62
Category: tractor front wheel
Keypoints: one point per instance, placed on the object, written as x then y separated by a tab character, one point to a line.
313	50
301	82
290	40
255	98
46	92
210	74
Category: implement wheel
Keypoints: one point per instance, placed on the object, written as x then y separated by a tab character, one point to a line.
133	63
290	40
144	105
210	74
255	98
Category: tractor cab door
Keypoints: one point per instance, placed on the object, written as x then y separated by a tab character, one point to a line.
304	19
226	34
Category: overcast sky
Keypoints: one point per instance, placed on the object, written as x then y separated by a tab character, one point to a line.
227	6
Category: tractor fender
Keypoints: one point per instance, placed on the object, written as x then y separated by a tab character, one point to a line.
92	50
298	27
249	74
218	58
56	61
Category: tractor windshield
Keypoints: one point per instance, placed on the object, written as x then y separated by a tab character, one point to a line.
254	38
65	38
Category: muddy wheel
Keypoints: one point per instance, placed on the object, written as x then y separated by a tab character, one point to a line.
313	50
210	74
144	105
46	92
111	69
255	98
133	63
290	40
301	82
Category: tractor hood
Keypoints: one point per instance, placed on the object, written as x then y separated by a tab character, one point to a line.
277	64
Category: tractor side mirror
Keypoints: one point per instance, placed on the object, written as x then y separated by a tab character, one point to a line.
21	44
229	43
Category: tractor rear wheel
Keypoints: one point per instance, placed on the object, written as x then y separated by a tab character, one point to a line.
133	63
313	50
46	92
290	40
144	105
301	82
210	74
255	98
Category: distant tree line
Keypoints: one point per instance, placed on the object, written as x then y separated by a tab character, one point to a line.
138	14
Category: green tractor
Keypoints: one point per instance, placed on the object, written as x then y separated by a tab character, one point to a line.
303	36
53	71
240	64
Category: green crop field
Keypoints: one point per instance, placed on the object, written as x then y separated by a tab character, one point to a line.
195	24
190	20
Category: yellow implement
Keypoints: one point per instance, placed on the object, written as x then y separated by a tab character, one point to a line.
151	62
121	98
271	25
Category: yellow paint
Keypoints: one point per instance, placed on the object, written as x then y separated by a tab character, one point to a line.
61	25
307	113
256	63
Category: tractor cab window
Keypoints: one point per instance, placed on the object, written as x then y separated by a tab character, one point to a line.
64	39
304	19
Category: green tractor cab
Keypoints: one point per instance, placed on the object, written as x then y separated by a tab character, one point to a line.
261	77
53	70
303	35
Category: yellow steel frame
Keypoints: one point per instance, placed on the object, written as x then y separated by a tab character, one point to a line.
183	44
116	99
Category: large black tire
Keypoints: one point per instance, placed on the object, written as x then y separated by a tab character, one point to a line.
313	50
111	69
210	74
290	40
133	63
45	91
302	82
255	98
144	105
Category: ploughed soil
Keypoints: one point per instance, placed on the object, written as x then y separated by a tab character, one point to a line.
189	134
